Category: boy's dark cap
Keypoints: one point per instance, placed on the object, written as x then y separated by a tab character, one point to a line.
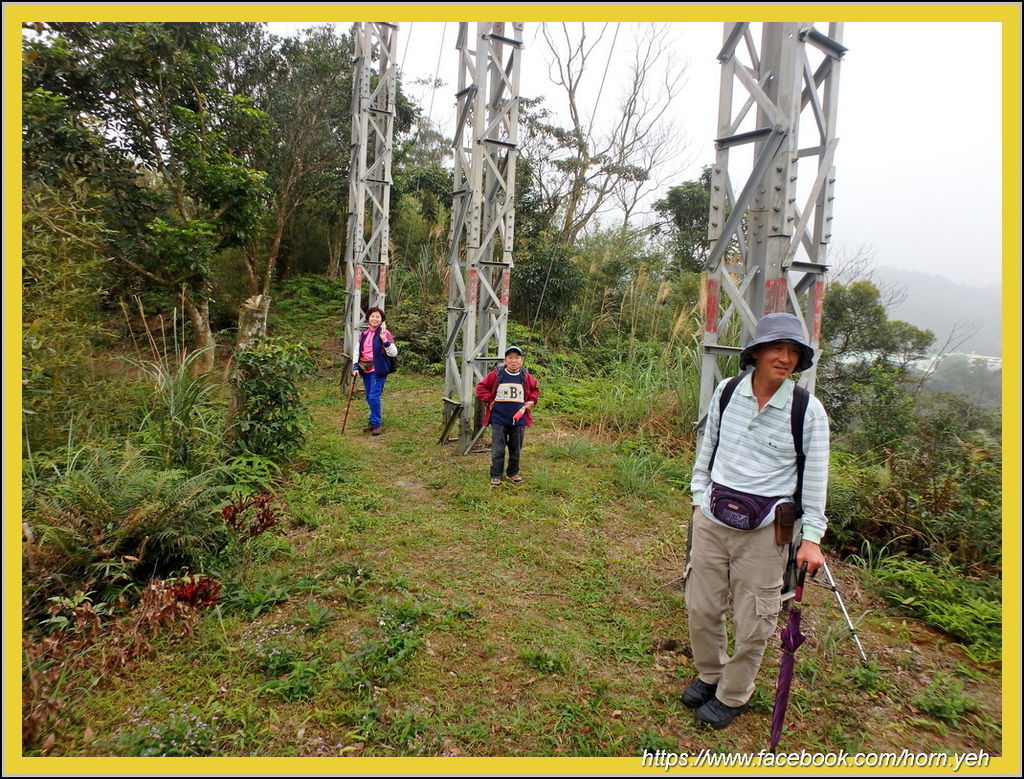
515	349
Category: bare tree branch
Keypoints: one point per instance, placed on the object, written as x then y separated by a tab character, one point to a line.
588	172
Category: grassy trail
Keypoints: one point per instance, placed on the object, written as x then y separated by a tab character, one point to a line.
410	609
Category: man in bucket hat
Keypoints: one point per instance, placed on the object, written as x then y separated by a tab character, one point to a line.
744	480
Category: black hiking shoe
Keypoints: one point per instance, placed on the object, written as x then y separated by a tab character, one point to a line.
718	715
698	693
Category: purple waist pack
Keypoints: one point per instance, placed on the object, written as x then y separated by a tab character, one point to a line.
740	510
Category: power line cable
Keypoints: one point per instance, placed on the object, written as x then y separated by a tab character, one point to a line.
437	70
433	93
600	91
408	40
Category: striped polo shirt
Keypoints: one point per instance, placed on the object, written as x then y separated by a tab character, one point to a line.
756	452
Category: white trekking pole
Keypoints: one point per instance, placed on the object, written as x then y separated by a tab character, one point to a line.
788	589
835	591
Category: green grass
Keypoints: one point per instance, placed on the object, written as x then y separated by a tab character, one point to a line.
969	609
944	699
409	609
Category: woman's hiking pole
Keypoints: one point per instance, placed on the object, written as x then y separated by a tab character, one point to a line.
351	389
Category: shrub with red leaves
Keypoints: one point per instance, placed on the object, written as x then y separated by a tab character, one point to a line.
204	591
251	516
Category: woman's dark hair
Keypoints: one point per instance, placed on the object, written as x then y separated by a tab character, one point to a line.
378	310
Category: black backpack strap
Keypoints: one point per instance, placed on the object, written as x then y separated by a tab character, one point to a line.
801	397
723	401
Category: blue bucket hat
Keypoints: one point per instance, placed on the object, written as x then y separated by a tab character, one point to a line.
778	327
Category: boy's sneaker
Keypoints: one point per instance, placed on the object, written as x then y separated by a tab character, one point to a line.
517	479
495	482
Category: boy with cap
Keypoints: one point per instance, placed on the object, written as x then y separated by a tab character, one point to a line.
509	392
744	475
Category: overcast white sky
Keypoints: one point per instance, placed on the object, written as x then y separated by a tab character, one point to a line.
918	162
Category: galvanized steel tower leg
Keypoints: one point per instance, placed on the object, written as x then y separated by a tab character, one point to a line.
483	216
770	230
373	120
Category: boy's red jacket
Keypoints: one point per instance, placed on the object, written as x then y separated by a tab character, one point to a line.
487	389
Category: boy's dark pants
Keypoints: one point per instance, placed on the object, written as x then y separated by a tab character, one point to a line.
502	436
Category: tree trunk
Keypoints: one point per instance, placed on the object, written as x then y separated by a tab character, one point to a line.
335	236
252	326
252	279
199	314
252	321
284	255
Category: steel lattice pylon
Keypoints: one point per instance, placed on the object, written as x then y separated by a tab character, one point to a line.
373	120
483	216
771	238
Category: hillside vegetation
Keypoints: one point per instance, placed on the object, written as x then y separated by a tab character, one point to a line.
209	567
374	596
403	607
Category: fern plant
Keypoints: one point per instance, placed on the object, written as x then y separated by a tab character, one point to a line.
111	520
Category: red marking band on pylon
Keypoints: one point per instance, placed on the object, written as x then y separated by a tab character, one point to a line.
711	308
382	278
471	288
357	282
506	282
769	296
775	295
819	308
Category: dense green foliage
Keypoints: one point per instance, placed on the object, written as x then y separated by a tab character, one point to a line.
686	207
63	274
269	418
144	101
182	423
865	363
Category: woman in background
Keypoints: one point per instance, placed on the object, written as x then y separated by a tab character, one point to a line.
373	346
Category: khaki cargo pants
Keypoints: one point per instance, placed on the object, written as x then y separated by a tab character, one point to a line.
748	565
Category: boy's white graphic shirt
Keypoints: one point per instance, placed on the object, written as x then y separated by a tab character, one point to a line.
510	391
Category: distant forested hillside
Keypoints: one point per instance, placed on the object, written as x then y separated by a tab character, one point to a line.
936	303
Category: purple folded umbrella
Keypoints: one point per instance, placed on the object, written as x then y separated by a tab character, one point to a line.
792	638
